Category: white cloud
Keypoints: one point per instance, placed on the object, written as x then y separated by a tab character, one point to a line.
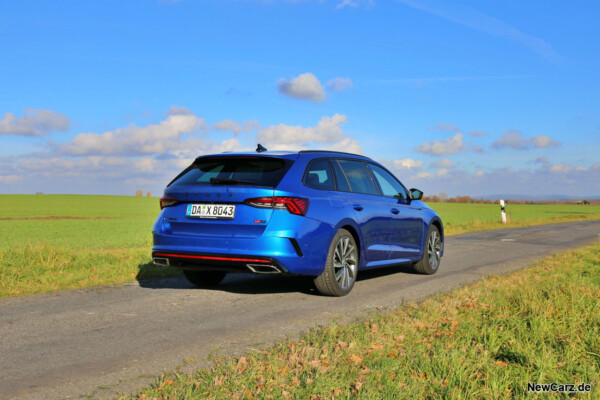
339	84
46	163
193	147
146	165
404	167
113	161
305	86
178	110
477	149
327	130
514	139
543	161
34	123
443	163
428	175
561	168
478	133
135	140
347	3
449	146
235	127
326	135
346	145
542	141
406	163
444	126
148	157
9	179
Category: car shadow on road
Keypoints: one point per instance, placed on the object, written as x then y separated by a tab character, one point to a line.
254	283
385	271
158	277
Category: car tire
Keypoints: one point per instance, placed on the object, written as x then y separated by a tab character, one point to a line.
341	267
432	253
204	278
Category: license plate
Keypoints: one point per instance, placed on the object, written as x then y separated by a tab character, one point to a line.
213	211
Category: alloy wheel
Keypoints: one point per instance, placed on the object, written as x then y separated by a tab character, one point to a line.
345	263
434	249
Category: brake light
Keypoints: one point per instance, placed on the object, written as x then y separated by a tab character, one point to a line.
167	201
295	205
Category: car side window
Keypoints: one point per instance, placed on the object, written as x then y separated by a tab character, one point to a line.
340	178
319	175
358	177
389	185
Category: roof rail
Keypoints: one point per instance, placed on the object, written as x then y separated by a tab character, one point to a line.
332	151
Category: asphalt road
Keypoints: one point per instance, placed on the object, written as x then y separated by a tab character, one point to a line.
113	339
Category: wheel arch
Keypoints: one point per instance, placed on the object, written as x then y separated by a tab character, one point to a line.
351	227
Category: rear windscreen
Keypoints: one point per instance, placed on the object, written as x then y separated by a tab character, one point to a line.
253	171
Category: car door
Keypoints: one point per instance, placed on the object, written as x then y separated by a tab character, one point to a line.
407	221
371	213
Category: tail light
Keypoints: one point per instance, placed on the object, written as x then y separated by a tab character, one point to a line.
295	205
167	202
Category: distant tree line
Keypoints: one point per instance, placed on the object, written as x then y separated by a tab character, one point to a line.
443	198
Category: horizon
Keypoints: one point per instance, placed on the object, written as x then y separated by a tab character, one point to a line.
460	98
519	198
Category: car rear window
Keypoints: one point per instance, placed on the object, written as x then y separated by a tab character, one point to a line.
254	171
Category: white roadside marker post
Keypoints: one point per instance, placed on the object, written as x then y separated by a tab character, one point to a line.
503	211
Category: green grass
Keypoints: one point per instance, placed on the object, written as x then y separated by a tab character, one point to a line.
54	242
108	241
110	221
485	341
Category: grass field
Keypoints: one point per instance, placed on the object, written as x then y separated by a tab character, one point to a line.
53	242
540	325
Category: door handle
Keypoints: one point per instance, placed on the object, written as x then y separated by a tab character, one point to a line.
395	211
358	207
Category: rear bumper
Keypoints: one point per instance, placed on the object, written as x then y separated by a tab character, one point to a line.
287	255
218	262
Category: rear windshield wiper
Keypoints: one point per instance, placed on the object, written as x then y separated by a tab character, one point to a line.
219	181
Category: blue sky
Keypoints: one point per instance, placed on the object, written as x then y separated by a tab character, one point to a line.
470	97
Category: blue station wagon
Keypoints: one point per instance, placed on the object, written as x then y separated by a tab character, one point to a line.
323	214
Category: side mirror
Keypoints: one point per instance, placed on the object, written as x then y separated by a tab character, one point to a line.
415	194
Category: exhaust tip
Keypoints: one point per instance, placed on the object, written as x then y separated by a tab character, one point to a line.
161	261
263	269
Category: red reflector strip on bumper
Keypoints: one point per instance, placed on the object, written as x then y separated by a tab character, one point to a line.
213	258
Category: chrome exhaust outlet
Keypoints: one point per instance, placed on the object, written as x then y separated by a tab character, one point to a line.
161	261
263	269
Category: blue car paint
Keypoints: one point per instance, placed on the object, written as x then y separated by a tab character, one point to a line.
382	240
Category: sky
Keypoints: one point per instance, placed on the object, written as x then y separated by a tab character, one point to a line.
478	98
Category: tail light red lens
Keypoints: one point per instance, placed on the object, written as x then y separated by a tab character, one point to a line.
166	202
295	205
